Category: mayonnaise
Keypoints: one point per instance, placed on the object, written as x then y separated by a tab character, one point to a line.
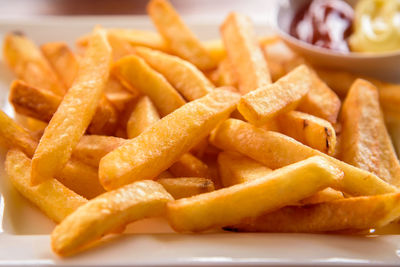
376	26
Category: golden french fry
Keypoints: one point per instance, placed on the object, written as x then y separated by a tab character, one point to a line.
236	169
181	74
139	38
320	101
28	63
309	130
54	199
276	150
91	148
186	187
358	213
328	194
138	74
230	205
189	166
180	39
105	118
120	47
224	75
104	214
266	102
142	117
216	49
75	112
118	95
365	141
63	61
155	150
244	53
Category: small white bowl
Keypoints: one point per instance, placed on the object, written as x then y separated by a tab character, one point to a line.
384	66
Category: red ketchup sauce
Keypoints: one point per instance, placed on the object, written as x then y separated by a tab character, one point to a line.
324	23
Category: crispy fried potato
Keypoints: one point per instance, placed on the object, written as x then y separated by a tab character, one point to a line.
91	148
180	39
328	194
276	150
138	74
181	74
139	38
118	95
266	102
216	49
120	48
224	75
63	61
309	130
142	117
230	205
186	187
320	101
189	166
110	211
105	118
53	198
28	63
244	53
358	213
155	150
236	169
365	141
75	112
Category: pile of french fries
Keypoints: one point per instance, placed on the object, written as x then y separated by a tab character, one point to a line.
239	134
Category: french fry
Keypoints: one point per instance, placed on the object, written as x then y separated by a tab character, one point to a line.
224	75
236	169
118	95
365	141
155	150
75	112
216	49
62	60
91	148
276	150
180	39
77	176
104	214
120	48
266	102
328	194
244	53
189	166
28	63
186	187
138	74
142	117
273	191
181	74
320	101
309	130
358	213
53	198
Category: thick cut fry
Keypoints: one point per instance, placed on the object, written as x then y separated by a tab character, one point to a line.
244	53
108	212
216	49
120	48
328	194
365	141
230	205
54	199
142	117
309	130
189	166
28	63
320	101
75	111
139	38
180	39
91	148
13	135
77	176
236	169
186	187
224	75
358	213
134	71
183	75
155	150
266	102
63	61
105	118
276	150
118	95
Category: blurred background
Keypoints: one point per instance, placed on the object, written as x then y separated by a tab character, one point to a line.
213	8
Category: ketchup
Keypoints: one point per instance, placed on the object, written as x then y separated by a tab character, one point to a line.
324	23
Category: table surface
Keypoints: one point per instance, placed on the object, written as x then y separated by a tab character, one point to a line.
32	8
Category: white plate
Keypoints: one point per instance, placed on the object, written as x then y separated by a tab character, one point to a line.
24	231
